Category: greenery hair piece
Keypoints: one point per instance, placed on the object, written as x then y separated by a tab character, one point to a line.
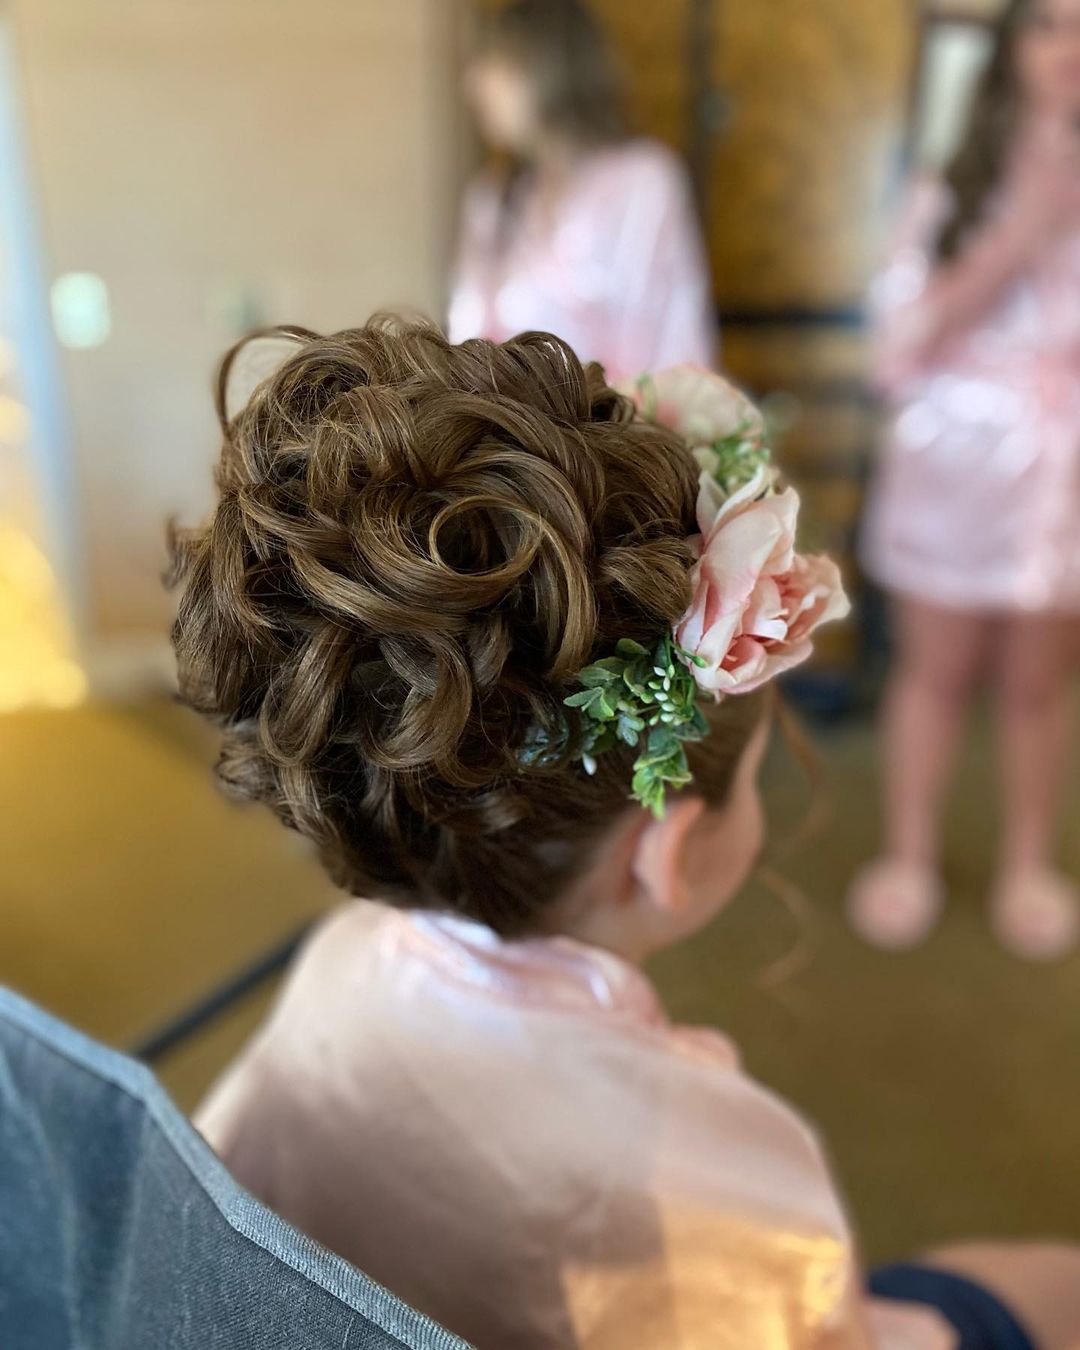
735	460
642	698
646	699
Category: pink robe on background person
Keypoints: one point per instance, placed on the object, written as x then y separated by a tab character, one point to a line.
616	266
976	503
513	1138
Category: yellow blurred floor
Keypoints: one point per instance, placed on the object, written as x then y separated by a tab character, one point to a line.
128	885
947	1083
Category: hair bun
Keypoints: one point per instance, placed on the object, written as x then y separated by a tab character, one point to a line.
416	546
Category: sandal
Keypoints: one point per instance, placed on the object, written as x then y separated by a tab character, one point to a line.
1035	914
895	905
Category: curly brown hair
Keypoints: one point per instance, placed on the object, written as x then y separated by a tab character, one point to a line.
415	548
974	172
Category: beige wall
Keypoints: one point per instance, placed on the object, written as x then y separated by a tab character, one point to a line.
194	151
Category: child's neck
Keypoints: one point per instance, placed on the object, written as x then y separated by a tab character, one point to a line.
598	926
604	909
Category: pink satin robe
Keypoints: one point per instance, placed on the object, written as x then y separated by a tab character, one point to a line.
616	266
513	1138
976	504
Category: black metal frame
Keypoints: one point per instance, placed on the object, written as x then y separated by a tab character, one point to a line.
703	112
174	1032
794	316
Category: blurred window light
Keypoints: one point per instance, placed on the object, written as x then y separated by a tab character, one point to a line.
62	684
955	56
80	309
36	664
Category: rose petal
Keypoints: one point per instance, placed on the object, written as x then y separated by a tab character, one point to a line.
746	663
711	500
823	598
708	628
760	538
714	504
777	661
766	614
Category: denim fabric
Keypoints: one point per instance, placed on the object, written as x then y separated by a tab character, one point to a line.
120	1229
982	1321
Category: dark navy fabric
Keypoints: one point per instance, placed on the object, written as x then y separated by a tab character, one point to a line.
120	1229
981	1320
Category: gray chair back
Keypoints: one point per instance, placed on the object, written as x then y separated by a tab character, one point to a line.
121	1230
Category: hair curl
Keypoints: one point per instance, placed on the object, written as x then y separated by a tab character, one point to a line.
415	548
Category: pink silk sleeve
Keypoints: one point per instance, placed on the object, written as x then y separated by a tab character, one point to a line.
468	310
900	308
667	300
919	305
616	266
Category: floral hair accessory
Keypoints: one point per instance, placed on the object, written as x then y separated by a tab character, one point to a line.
754	601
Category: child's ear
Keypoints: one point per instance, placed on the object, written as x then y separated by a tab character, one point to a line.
658	859
248	365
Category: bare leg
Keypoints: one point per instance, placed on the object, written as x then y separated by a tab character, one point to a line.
939	659
940	653
1034	704
1038	1282
1034	910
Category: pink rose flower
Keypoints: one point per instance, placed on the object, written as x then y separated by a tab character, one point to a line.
697	403
755	600
704	409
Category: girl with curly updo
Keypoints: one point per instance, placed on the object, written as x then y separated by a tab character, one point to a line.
497	639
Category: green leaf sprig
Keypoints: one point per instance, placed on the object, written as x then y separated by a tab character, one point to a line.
736	459
646	699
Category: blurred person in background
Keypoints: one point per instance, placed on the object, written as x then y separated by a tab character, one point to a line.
575	227
974	522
